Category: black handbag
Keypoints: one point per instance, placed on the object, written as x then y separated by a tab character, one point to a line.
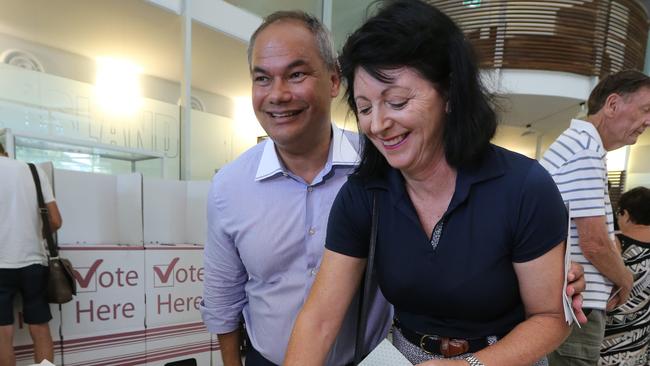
364	294
61	285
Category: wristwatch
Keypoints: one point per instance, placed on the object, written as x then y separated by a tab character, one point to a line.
472	360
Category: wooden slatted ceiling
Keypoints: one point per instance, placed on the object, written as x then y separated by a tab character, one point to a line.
594	37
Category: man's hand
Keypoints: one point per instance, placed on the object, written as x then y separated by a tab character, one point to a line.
575	285
621	293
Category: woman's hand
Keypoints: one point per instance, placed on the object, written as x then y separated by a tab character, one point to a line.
575	286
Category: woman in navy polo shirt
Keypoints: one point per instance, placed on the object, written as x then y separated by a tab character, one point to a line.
470	238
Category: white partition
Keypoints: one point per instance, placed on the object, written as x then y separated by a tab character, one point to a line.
109	321
164	204
174	231
174	211
99	209
174	287
105	323
195	212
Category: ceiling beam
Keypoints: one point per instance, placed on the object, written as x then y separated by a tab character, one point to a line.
218	15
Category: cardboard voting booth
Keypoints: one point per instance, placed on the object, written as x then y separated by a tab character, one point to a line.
174	234
174	286
99	209
105	323
137	250
103	238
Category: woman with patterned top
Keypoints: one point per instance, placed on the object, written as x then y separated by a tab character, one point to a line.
627	331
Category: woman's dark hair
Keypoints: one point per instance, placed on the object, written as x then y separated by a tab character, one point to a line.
636	202
415	34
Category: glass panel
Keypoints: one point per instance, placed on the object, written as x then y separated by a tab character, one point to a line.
94	159
347	16
99	72
264	8
223	122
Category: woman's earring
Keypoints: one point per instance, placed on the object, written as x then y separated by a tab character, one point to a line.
447	107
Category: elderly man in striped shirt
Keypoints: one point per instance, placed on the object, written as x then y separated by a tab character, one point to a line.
618	112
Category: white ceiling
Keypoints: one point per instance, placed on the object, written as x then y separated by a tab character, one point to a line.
151	37
264	8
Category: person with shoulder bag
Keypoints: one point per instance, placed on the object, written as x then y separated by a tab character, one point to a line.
23	261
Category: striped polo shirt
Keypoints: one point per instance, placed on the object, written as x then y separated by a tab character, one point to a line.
576	161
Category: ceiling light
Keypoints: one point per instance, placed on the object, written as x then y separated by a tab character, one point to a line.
118	87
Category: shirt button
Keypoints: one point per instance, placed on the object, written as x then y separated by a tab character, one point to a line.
284	174
312	231
313	272
310	189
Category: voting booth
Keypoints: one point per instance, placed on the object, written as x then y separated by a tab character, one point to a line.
174	235
137	249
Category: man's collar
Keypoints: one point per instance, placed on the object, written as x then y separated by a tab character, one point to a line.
580	125
341	152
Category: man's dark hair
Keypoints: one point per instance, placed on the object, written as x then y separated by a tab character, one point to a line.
321	34
636	202
415	34
623	83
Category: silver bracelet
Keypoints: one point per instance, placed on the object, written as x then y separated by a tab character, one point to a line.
472	360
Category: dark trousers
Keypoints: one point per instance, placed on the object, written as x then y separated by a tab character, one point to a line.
254	358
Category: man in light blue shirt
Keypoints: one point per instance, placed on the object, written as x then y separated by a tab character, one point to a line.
268	210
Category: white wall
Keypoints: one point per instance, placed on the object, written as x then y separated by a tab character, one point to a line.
77	67
638	167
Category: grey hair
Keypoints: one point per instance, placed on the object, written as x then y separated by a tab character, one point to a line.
313	24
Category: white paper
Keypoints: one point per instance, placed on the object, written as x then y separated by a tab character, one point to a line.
385	354
569	315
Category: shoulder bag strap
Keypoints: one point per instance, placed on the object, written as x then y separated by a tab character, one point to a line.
364	294
42	208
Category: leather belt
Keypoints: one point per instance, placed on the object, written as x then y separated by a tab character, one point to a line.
448	347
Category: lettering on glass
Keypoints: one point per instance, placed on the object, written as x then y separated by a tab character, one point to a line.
69	109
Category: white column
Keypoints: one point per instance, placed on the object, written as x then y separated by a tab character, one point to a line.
327	13
186	92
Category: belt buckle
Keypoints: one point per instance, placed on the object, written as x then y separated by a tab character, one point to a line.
423	339
451	347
